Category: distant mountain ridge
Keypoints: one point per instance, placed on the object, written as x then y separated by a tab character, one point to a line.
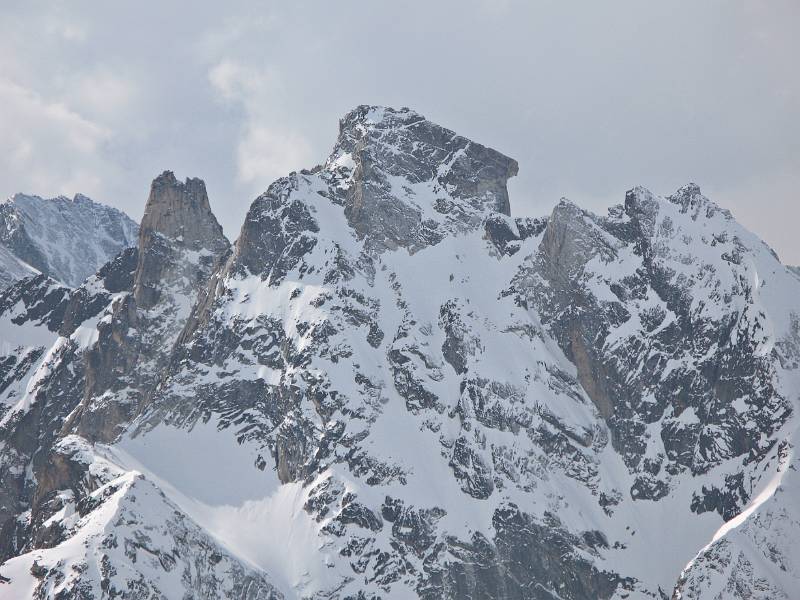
66	239
390	387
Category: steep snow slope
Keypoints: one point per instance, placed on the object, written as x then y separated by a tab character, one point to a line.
126	539
12	268
755	554
67	239
390	388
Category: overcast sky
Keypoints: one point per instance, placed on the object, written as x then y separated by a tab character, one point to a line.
591	98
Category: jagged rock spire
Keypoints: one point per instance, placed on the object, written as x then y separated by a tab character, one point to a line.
180	243
177	217
181	211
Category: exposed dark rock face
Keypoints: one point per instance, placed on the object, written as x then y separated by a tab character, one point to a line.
38	300
278	231
180	243
507	234
40	387
527	561
43	385
177	222
697	346
414	181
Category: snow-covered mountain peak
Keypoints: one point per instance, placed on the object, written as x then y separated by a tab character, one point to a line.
393	181
65	238
691	201
392	389
638	199
31	204
364	117
81	199
412	182
688	199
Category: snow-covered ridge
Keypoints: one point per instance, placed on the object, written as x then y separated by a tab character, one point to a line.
65	238
391	388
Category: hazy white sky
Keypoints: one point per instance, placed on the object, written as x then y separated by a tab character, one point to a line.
591	98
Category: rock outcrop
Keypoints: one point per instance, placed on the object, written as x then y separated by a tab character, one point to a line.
414	182
179	239
180	243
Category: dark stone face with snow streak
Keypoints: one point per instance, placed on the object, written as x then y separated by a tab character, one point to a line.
661	338
414	182
389	388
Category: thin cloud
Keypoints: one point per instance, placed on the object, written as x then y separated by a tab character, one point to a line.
265	151
49	148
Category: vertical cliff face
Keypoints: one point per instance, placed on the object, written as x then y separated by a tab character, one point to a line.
389	387
415	182
179	239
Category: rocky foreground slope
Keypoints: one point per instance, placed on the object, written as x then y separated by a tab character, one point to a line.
66	239
389	387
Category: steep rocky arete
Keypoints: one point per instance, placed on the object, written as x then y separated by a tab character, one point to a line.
389	387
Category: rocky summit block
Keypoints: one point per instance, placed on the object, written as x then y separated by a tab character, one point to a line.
177	220
414	181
